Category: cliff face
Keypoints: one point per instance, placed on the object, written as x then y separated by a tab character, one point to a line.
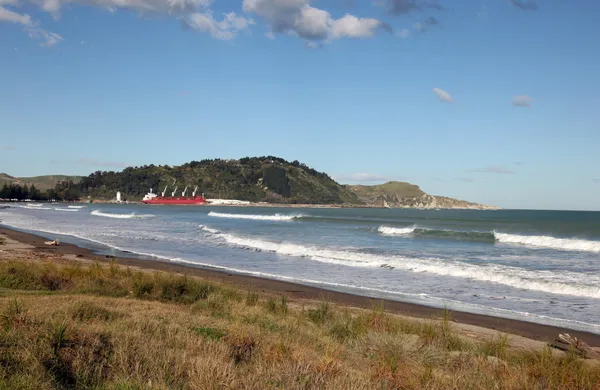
405	195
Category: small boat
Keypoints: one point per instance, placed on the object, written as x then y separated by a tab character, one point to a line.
152	198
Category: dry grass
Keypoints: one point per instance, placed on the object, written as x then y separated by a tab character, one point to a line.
107	327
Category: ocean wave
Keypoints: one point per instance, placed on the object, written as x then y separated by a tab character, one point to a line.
76	207
32	207
120	216
565	283
393	231
64	209
566	244
208	229
258	217
438	233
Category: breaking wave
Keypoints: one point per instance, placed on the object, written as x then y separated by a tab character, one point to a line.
565	244
276	217
392	231
37	207
438	233
64	209
208	230
120	216
565	283
76	207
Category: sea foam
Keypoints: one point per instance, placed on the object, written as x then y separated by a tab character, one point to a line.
567	244
258	217
393	231
549	242
120	216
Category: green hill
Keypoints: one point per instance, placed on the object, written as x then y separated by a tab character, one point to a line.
256	179
41	182
391	189
398	194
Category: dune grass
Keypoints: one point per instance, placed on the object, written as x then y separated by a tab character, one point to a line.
95	326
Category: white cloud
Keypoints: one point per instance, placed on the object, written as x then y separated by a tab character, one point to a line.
9	16
170	7
31	27
49	38
225	29
352	27
522	101
361	177
299	18
96	163
443	95
296	17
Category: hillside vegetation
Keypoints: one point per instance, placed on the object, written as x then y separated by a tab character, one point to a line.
72	326
40	182
270	179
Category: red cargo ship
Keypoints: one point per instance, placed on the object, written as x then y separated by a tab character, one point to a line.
152	198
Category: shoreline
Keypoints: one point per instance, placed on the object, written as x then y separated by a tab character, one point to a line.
276	205
535	331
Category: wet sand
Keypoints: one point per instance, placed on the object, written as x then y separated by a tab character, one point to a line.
529	330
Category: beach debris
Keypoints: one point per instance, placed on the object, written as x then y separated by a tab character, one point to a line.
567	343
56	242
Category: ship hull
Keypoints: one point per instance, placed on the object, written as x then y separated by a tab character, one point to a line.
198	200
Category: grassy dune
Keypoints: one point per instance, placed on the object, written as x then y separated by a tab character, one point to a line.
89	326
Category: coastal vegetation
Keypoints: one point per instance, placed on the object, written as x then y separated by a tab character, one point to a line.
71	324
257	179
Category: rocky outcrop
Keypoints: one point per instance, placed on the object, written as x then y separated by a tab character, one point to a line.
406	195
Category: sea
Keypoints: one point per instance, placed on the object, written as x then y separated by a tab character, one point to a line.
537	266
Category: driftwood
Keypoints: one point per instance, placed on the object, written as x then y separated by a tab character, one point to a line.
566	342
53	243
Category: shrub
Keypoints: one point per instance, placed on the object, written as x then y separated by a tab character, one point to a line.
12	315
210	333
251	298
89	311
321	314
241	348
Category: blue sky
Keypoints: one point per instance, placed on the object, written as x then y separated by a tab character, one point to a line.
491	101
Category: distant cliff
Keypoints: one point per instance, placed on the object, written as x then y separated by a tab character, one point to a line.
397	194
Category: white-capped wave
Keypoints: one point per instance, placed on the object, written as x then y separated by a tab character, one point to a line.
64	209
392	231
567	244
36	207
76	207
208	229
564	283
120	216
275	217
